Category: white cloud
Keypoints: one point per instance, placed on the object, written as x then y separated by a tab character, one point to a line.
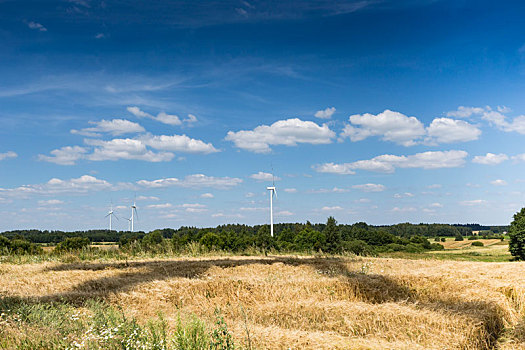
193	181
250	195
160	206
387	163
283	213
465	112
391	126
446	130
474	202
147	198
326	113
490	159
50	202
370	187
83	184
436	205
500	120
499	182
519	157
290	190
125	149
435	186
190	119
403	209
162	117
207	195
262	176
178	143
288	132
363	200
64	156
114	127
330	190
403	195
252	209
8	154
334	208
37	26
408	131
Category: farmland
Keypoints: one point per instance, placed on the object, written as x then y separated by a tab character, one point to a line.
277	302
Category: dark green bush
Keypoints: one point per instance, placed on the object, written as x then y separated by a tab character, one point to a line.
443	239
477	244
458	238
72	244
414	248
211	241
358	247
437	246
152	239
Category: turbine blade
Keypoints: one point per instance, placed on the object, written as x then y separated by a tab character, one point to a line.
107	215
275	193
136	214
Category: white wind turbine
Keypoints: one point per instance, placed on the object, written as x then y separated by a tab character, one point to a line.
110	214
133	213
273	192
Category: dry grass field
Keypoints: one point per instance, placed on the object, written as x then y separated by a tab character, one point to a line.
296	302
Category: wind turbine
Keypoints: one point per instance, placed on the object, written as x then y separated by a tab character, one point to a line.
133	213
110	214
129	224
273	192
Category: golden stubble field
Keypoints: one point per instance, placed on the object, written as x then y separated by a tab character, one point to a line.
304	302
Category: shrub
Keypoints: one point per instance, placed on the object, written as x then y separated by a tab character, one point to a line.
458	238
443	239
153	238
358	247
414	248
70	244
472	238
437	246
211	240
477	244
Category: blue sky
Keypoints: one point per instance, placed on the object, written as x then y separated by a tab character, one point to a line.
376	111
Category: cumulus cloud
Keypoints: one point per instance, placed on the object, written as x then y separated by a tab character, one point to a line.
262	176
83	184
403	195
125	149
283	213
207	195
334	208
37	26
7	155
497	118
389	125
178	143
290	190
64	156
370	187
446	130
499	182
387	163
114	127
50	202
330	190
436	205
408	131
474	202
490	159
147	198
465	112
326	113
403	209
193	181
162	117
289	132
160	206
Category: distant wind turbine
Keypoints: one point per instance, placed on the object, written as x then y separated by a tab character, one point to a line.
110	214
273	192
133	213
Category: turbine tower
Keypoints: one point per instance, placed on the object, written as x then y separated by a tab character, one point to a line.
110	214
133	213
273	192
129	224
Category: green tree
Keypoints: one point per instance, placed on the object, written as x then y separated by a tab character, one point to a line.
333	235
153	238
517	235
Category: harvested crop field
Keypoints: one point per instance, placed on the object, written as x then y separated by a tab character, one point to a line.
451	244
297	302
